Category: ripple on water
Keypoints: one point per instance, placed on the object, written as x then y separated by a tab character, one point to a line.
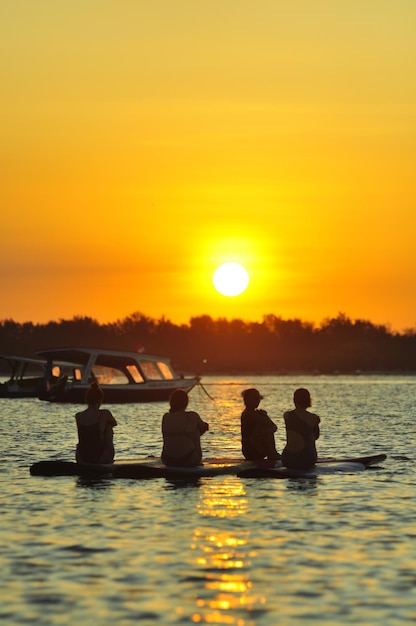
328	550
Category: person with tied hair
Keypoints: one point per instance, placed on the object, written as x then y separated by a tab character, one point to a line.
95	429
257	430
182	430
302	430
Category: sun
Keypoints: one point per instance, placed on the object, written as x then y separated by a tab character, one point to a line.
230	279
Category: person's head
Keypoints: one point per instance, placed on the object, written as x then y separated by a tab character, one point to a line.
251	398
94	395
302	399
178	400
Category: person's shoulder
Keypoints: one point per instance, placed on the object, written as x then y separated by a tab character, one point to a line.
262	415
107	416
314	418
193	414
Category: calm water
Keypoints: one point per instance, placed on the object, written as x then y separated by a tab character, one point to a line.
337	549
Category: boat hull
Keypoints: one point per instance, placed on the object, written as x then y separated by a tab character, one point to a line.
24	391
119	395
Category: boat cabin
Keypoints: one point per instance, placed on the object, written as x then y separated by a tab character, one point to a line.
123	376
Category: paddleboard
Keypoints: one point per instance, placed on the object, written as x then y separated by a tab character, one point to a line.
323	466
152	467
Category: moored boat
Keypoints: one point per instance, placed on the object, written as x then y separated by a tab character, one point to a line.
123	376
27	376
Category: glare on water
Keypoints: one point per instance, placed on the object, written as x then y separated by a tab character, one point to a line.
336	549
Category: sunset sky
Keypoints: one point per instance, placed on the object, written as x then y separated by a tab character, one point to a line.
142	144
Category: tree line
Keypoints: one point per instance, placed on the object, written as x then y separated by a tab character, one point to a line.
207	345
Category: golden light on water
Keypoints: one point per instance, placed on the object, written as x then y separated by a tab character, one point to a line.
223	557
227	501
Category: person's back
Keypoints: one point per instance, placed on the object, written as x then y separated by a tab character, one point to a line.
95	430
302	431
182	432
90	444
257	429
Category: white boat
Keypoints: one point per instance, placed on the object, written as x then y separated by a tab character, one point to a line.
27	376
123	376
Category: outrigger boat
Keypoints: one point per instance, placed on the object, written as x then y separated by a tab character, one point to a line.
27	376
123	376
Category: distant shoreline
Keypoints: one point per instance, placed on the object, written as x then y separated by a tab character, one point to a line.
305	373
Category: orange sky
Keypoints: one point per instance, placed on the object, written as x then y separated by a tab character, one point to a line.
144	143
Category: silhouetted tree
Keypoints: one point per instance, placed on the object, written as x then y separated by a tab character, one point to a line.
220	345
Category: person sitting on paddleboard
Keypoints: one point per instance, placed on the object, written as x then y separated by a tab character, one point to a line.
182	430
302	430
95	430
257	430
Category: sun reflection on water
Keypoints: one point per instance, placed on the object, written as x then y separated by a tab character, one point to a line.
224	557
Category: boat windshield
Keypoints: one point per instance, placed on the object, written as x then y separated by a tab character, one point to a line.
134	373
150	370
155	371
165	369
109	376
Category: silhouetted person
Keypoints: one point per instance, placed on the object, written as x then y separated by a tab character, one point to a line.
95	430
182	432
302	430
257	429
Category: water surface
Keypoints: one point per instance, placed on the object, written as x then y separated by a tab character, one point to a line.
337	549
